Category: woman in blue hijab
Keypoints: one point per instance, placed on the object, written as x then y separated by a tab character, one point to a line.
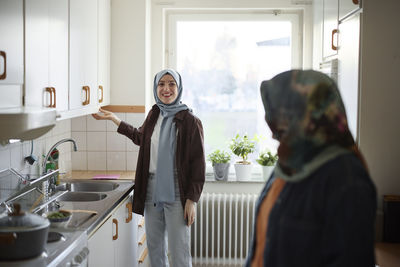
170	170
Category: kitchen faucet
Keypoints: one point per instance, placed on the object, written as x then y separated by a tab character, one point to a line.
51	185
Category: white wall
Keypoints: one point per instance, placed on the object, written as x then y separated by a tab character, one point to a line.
12	155
137	41
100	147
380	94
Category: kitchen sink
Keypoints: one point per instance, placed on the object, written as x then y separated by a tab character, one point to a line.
81	196
90	186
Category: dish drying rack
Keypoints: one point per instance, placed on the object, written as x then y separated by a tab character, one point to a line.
13	186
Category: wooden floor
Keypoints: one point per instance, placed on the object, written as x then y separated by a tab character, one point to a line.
387	254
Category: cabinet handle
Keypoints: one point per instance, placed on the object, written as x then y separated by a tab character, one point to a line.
54	97
88	100
335	31
87	95
129	206
142	240
50	90
3	76
356	2
141	223
143	256
101	89
115	221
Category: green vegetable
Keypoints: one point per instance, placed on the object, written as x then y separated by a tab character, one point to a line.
58	215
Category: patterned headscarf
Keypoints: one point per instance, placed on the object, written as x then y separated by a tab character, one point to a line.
306	115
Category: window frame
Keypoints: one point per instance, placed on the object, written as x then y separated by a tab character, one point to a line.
170	45
174	16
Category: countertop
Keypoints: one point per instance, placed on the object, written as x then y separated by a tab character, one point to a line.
124	175
79	224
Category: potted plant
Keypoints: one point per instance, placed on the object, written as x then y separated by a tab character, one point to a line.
242	146
220	162
267	161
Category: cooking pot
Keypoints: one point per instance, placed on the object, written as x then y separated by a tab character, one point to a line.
22	235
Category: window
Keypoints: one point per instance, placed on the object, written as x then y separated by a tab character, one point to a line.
222	59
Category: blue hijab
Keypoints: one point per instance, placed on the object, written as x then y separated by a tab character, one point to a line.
165	185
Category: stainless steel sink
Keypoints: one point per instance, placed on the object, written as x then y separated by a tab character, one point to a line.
90	186
81	196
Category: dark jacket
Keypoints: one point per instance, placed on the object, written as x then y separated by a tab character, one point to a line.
190	160
328	219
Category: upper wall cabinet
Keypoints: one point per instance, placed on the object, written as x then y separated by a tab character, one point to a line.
83	53
11	53
347	7
46	53
330	28
104	52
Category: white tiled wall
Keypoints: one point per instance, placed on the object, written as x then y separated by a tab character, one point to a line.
100	147
12	155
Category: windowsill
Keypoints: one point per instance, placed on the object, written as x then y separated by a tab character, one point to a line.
255	178
256	175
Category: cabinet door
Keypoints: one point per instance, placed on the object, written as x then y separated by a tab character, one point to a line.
347	7
11	53
104	53
83	53
348	76
58	52
125	243
318	10
101	250
36	53
11	42
330	35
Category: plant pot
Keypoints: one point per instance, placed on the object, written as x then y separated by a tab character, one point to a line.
266	172
221	171
243	171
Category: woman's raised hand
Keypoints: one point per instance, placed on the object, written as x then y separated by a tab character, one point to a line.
106	115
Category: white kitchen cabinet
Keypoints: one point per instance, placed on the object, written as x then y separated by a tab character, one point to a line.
330	28
58	52
115	242
124	236
347	7
100	246
46	53
318	16
348	75
11	53
83	53
104	24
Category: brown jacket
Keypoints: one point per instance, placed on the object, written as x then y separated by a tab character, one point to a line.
190	160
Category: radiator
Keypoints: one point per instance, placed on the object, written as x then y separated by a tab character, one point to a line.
222	231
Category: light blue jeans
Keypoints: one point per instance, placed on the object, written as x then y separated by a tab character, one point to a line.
166	230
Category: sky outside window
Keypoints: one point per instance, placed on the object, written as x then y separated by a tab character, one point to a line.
222	65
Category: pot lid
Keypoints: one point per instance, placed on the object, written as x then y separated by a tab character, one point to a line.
19	221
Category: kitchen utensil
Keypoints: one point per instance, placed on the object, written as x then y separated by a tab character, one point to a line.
59	221
36	202
22	235
82	211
